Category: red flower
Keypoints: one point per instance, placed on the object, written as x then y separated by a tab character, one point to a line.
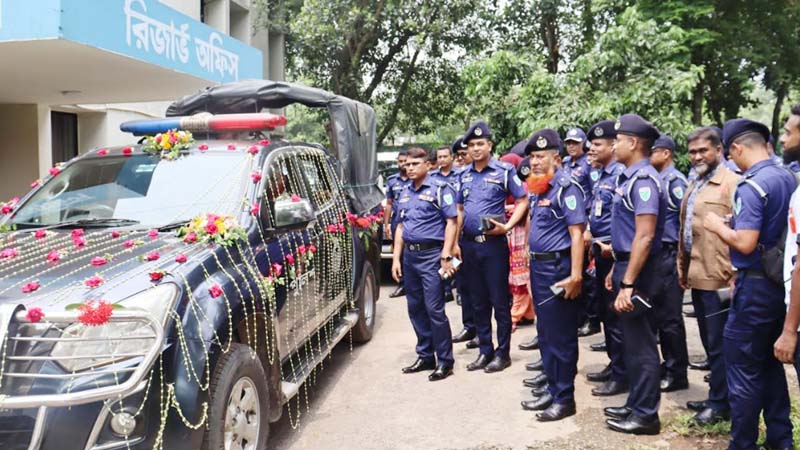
95	312
129	244
157	275
30	287
231	146
114	234
102	152
9	253
35	183
340	228
6	209
99	261
211	228
54	171
53	257
153	234
380	214
34	315
93	282
127	151
277	269
79	241
263	142
202	147
331	228
312	248
40	234
302	249
351	217
254	210
362	222
256	177
152	256
215	291
180	258
295	198
190	237
253	150
290	258
158	138
77	232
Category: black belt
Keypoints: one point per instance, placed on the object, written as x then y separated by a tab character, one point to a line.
621	256
669	246
549	256
421	246
481	238
753	273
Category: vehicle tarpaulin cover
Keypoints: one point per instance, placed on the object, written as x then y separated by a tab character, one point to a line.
352	126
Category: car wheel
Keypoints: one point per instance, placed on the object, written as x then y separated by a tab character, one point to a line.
367	296
239	412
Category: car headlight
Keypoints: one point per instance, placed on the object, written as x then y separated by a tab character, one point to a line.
100	341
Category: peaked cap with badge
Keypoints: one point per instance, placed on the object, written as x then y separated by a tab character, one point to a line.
603	130
544	139
735	128
458	145
665	141
636	125
575	135
478	130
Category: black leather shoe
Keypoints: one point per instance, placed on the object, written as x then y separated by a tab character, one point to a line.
603	375
696	406
479	363
700	365
671	384
599	347
588	329
710	416
448	296
690	314
634	425
532	344
420	365
473	343
498	364
540	404
440	373
535	382
707	378
399	292
617	412
463	336
556	412
540	391
536	366
610	388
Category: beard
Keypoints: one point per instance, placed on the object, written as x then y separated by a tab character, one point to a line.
791	154
539	184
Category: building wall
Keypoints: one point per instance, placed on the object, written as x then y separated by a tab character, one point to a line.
19	149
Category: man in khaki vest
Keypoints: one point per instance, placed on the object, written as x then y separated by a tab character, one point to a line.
704	264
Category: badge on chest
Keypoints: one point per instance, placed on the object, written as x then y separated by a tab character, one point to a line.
426	197
544	203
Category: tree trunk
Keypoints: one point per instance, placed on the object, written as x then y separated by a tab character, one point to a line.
780	96
697	103
398	100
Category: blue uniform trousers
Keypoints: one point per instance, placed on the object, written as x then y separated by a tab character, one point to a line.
669	317
590	301
714	315
702	327
467	309
639	341
756	380
486	274
426	304
557	328
611	326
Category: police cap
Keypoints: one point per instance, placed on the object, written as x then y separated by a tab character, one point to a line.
603	130
575	135
735	128
635	125
544	139
478	130
458	145
665	141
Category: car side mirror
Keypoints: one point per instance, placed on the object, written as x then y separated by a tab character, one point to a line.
295	213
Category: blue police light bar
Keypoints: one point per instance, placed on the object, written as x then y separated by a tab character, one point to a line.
206	122
150	126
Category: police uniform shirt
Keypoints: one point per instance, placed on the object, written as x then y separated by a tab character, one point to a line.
675	184
602	197
760	203
451	178
594	177
579	170
554	211
394	187
424	211
794	166
484	193
638	193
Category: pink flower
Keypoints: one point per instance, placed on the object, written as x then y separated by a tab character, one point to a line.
231	146
211	228
127	151
54	171
99	261
172	138
115	234
158	138
312	248
215	291
35	183
9	253
77	232
302	249
277	269
202	147
256	177
295	198
79	241
6	209
180	258
351	217
253	150
53	257
331	228
40	234
157	275
152	256
129	244
102	152
152	234
190	237
34	315
254	210
263	142
30	287
290	258
93	282
95	313
269	279
340	228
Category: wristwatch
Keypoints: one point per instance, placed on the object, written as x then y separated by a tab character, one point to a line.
624	285
447	258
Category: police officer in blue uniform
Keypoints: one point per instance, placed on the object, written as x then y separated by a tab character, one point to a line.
395	185
638	217
669	309
444	173
756	380
426	232
485	184
602	135
558	218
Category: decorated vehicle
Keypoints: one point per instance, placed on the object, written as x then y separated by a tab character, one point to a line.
179	293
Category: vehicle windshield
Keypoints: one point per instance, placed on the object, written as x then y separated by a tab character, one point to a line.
142	188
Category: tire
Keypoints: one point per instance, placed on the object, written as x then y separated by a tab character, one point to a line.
237	370
367	297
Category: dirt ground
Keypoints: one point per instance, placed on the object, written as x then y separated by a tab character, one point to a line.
360	400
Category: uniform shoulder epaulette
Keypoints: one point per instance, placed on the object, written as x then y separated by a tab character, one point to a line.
439	182
564	182
504	165
643	173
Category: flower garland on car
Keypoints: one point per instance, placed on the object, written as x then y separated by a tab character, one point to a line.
169	143
366	226
212	228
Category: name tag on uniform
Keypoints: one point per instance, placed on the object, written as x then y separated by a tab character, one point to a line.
494	181
544	202
426	198
405	199
598	209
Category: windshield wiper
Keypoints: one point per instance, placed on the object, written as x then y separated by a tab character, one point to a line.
94	223
173	225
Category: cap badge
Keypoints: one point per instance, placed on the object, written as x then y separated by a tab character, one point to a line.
599	131
478	132
617	125
573	132
541	142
